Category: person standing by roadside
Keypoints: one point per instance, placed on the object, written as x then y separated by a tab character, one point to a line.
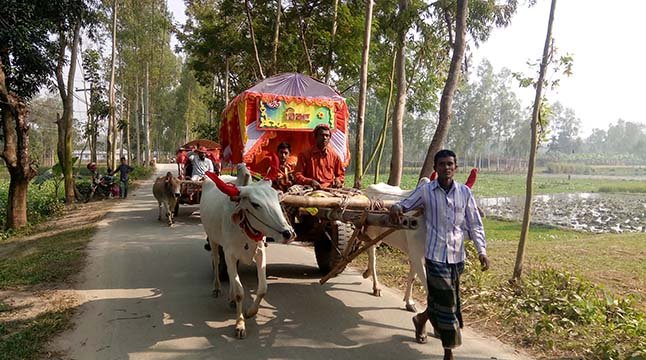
123	169
450	210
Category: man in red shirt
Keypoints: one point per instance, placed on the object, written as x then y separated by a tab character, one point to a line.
320	167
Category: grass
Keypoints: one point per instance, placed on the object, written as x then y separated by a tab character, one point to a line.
43	262
601	276
494	184
23	339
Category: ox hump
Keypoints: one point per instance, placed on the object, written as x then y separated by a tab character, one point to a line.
386	192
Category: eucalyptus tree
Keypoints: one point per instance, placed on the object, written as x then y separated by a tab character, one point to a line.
99	108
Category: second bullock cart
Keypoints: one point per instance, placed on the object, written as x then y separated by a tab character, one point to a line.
286	108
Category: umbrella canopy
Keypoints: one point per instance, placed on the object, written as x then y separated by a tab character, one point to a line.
282	108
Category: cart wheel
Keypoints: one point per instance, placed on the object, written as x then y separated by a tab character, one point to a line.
329	248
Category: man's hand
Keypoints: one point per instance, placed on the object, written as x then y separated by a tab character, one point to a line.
337	183
396	214
484	262
315	185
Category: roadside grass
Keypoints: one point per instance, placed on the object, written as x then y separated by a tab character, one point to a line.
43	262
24	339
581	296
498	184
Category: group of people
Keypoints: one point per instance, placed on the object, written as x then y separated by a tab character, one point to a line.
451	213
123	169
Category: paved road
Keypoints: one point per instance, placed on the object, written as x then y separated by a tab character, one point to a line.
147	295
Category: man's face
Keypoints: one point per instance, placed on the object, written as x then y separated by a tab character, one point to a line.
322	138
201	155
123	161
283	154
445	167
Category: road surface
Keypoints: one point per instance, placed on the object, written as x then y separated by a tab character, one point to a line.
146	294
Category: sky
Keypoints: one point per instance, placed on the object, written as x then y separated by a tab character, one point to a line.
603	37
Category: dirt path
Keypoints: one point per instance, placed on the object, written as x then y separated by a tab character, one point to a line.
146	294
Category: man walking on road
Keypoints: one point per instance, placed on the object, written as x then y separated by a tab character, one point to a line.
450	210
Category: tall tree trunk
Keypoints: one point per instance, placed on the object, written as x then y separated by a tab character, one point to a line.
112	126
226	80
253	39
138	117
274	52
301	31
397	156
381	141
147	120
527	212
65	123
15	153
128	141
330	51
452	79
363	89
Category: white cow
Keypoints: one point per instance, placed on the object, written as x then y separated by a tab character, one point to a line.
411	242
237	218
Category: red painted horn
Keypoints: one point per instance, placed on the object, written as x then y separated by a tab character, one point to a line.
229	189
472	178
433	176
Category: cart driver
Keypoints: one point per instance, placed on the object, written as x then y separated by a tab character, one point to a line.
201	164
320	167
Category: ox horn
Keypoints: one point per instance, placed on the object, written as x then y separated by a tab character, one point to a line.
472	178
229	189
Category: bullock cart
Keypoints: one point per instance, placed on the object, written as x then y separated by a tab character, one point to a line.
334	221
286	108
191	191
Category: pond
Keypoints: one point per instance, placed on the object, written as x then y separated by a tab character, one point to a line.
593	212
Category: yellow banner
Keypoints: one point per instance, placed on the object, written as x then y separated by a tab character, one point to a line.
281	115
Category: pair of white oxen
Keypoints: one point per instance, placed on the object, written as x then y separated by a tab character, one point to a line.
229	203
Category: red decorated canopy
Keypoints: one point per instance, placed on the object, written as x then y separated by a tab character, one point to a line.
282	108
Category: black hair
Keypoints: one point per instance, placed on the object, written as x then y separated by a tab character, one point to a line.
284	145
321	127
123	158
444	153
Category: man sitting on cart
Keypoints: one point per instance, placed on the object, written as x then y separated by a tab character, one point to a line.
281	169
320	167
201	164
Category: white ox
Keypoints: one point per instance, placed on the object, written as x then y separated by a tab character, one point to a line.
237	217
166	190
411	242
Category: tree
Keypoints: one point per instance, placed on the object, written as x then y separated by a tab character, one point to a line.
111	150
363	89
25	66
538	120
446	102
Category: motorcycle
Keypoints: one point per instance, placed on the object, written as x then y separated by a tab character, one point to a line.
105	188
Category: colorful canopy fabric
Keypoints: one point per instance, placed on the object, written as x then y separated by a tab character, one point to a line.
282	108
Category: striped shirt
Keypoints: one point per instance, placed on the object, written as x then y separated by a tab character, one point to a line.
448	215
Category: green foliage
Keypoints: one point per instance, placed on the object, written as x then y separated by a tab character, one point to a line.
562	312
569	168
42	203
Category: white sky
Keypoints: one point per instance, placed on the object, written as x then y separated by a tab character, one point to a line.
604	38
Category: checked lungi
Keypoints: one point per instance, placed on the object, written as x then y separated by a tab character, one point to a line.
443	309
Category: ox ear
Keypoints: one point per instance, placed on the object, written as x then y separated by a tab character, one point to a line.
229	189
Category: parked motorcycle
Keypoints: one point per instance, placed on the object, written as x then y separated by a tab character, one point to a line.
104	188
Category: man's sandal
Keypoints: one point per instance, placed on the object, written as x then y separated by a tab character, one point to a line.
420	331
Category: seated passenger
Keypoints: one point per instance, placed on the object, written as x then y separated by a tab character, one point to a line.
281	171
320	167
201	164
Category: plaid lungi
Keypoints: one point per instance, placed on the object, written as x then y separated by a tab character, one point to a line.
444	301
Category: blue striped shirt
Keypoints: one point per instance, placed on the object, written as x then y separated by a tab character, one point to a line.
448	215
